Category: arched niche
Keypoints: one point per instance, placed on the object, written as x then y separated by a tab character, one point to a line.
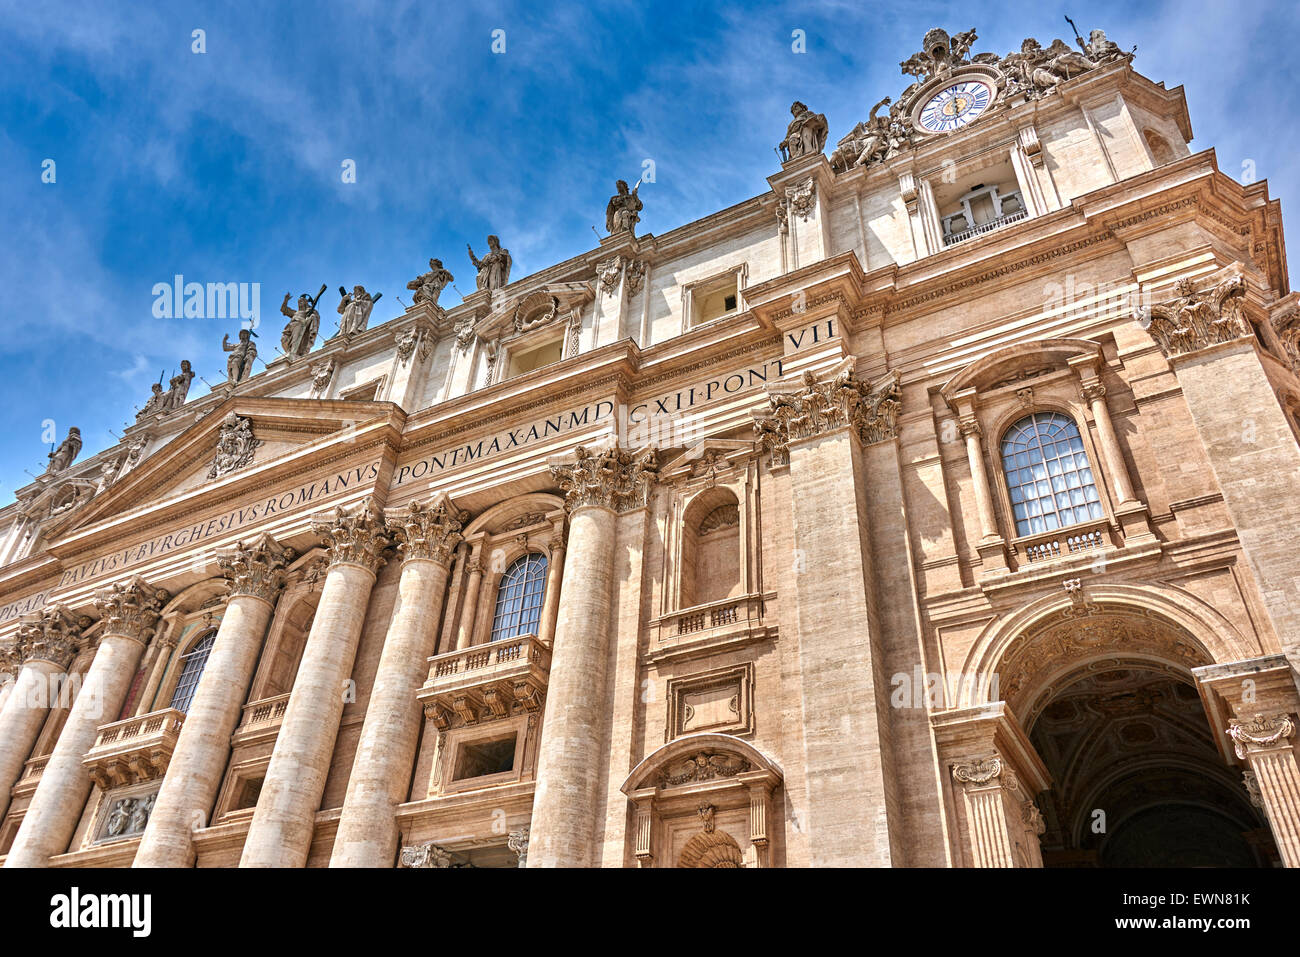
711	549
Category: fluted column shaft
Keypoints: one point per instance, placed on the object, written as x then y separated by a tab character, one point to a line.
1265	744
130	610
564	805
367	833
21	720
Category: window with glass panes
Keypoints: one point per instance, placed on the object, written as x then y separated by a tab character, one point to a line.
519	597
1048	474
192	663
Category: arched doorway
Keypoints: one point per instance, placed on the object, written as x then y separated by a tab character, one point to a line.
1137	778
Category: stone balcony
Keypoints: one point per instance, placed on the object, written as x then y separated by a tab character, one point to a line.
261	720
137	749
701	629
1063	542
30	778
486	681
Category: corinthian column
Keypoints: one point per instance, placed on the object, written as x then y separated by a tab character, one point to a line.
129	611
45	645
576	726
367	835
256	573
281	830
1264	742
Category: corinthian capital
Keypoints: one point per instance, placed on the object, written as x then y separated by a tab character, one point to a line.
130	608
1260	733
256	568
1193	319
428	531
51	634
354	538
816	406
614	479
11	658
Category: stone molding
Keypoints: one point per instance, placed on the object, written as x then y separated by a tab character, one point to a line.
354	538
428	531
256	568
615	479
130	608
52	635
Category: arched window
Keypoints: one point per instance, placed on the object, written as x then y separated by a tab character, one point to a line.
519	597
192	663
1048	474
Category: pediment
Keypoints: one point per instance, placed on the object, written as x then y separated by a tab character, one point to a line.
230	443
525	311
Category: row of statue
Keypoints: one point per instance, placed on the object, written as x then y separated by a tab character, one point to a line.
1033	71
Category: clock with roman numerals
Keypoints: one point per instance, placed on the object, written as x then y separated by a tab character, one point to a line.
955	106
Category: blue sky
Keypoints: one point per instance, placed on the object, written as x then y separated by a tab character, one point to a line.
226	166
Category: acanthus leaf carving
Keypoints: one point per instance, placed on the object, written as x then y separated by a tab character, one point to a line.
51	634
614	478
256	568
354	538
428	531
130	608
815	407
1193	320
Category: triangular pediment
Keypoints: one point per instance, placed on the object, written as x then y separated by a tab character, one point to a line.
230	446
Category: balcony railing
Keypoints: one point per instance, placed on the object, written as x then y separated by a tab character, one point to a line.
263	716
134	750
953	239
1063	542
487	680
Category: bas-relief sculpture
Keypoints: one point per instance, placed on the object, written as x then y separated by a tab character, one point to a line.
805	135
494	267
239	365
429	286
622	212
354	310
235	446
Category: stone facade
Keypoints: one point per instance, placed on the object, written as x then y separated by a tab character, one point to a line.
931	508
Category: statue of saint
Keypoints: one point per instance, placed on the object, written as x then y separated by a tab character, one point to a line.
805	135
155	402
240	364
494	268
62	457
355	310
299	333
622	213
179	387
429	286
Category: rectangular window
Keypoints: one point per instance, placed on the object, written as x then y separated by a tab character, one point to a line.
495	756
536	356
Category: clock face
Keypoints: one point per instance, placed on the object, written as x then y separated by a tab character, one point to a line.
955	106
